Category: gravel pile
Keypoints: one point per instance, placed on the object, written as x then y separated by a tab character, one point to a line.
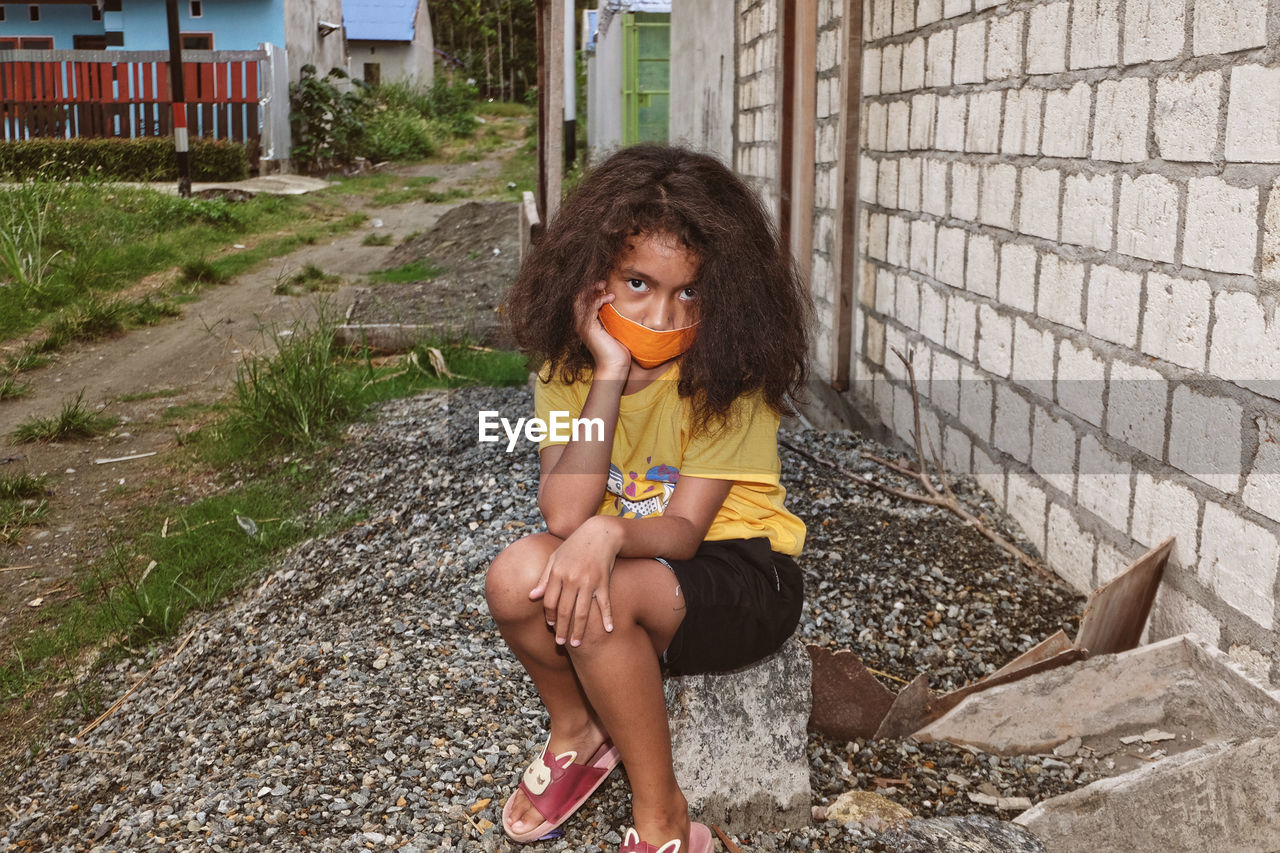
360	697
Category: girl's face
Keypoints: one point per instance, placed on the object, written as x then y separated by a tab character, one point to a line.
653	282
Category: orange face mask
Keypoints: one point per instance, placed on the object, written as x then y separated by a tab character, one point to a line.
647	346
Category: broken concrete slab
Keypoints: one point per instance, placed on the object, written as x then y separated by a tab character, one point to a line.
848	701
1221	796
739	742
1178	684
971	834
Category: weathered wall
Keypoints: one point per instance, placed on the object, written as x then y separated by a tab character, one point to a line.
702	76
1072	217
604	90
302	36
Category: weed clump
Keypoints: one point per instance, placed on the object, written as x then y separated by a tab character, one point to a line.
73	422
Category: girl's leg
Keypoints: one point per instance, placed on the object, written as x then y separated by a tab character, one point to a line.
574	725
620	674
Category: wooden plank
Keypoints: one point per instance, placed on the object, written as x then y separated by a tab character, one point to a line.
1117	612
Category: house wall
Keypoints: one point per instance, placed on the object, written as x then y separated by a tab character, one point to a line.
702	76
302	37
56	21
1070	214
235	25
604	91
759	77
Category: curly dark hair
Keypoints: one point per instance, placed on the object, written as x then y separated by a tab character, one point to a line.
755	312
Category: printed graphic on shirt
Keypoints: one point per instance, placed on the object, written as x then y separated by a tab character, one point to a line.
640	497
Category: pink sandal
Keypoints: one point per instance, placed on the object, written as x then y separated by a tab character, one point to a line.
557	787
699	842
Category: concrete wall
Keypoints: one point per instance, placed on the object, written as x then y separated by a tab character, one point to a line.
1070	213
702	75
302	37
604	90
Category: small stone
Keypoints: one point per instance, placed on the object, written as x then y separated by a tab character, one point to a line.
1067	749
862	806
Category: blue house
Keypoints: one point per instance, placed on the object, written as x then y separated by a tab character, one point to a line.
309	30
389	40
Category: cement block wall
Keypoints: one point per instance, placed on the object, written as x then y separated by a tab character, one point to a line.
1070	212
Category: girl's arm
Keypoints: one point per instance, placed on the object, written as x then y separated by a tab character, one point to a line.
578	571
573	475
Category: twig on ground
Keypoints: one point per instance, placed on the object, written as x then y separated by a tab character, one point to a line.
724	839
945	499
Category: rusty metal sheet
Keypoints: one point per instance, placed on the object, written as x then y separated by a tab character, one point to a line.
1117	611
1046	649
909	709
848	701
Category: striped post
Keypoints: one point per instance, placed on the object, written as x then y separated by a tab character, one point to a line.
180	142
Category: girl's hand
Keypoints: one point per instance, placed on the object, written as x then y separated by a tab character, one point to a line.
607	354
576	577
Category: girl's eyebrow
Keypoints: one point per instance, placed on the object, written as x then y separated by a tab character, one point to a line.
632	272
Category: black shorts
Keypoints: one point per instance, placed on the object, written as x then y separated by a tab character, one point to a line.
742	602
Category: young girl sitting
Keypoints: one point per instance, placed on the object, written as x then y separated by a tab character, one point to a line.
659	302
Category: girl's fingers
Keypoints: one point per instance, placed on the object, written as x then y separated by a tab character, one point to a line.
540	590
606	609
581	613
564	616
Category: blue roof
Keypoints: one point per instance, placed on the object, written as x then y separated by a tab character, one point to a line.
379	20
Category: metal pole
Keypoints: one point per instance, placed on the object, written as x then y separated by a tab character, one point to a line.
179	100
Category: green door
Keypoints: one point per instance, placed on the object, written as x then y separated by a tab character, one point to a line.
646	76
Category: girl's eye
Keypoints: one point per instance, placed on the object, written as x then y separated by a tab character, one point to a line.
689	294
636	284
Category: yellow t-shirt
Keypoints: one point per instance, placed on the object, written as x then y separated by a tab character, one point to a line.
653	447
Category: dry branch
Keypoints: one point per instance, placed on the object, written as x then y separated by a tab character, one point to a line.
946	498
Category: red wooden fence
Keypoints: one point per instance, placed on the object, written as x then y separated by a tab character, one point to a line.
63	94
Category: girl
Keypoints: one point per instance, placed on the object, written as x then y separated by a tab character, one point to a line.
660	303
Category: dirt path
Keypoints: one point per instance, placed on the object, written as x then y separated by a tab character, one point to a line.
138	376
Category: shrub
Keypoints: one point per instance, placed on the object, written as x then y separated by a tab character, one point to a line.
397	134
147	159
327	118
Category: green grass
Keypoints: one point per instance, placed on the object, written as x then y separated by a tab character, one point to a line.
11	388
505	109
22	504
420	270
408	194
311	279
149	395
73	422
378	238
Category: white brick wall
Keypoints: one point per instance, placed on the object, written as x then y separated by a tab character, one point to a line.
1186	117
1047	38
964	191
980	271
999	194
1061	290
1153	30
1084	250
1066	121
1087	201
1102	484
1039	202
1081	382
1004	47
971	49
1238	560
1262	485
1148	218
1175	326
1136	403
1018	276
1120	123
983	133
1253	115
1221	232
1247	349
1114	296
1224	26
1095	31
1205	438
1021	134
1162	508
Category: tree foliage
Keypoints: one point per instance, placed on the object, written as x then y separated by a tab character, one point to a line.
493	42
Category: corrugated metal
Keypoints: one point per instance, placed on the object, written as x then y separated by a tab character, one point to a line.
379	20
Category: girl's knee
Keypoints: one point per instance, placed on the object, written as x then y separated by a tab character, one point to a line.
513	573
